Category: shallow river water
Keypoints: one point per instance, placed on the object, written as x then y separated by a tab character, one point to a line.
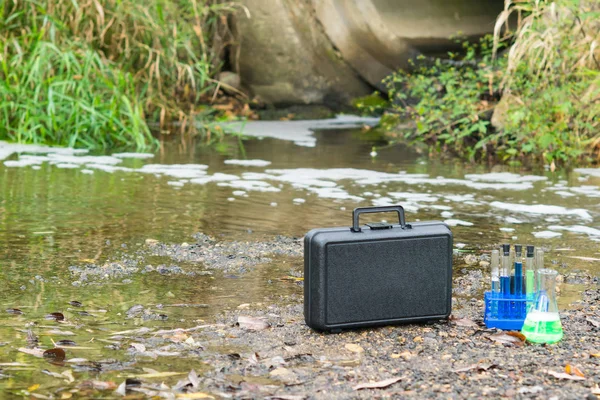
62	208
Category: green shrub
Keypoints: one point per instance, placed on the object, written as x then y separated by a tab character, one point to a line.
94	74
547	76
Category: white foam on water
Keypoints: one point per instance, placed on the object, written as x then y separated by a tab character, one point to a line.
588	171
447	214
546	234
456	222
36	167
273	204
67	166
334	193
238	193
299	201
459	198
87	171
108	168
541	209
507	229
587	190
133	155
74	159
183	171
563	193
8	149
217	177
512	220
460	245
299	132
504	177
248	185
249	163
383	201
440	207
413	196
20	163
577	229
231	199
176	183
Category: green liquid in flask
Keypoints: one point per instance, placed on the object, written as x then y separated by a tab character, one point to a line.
542	327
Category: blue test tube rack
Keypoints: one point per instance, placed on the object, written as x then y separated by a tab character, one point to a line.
505	311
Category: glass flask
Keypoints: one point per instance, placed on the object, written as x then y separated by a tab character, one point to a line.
542	324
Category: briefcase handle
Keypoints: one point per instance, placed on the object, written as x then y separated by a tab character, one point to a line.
368	210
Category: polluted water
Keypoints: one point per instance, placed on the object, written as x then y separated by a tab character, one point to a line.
542	324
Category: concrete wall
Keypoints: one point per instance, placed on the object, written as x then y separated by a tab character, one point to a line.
330	51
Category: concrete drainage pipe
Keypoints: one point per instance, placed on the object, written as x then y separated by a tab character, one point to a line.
330	51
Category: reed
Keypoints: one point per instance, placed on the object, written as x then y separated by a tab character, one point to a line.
531	92
94	73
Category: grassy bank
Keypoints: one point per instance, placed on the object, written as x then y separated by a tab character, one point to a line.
94	74
528	93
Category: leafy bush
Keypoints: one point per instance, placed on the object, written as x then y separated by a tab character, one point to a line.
95	73
542	94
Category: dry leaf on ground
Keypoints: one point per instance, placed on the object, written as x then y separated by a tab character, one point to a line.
593	321
563	375
377	385
463	321
251	323
197	395
573	370
510	338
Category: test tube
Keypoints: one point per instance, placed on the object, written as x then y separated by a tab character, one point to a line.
529	272
539	264
518	270
495	264
505	280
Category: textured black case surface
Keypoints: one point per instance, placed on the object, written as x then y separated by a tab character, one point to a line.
377	274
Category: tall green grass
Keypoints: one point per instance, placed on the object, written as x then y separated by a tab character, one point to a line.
95	73
530	92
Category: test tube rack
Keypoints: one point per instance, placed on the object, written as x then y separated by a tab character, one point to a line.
506	312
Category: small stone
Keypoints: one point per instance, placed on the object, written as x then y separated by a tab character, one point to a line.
484	264
471	259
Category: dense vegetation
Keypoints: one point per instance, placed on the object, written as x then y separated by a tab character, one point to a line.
94	73
528	93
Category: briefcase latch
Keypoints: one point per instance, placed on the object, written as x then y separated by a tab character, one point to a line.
379	225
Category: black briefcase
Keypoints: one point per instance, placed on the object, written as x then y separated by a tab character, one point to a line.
377	274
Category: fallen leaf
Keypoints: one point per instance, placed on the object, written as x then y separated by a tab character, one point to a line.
69	375
75	303
99	385
477	367
193	377
66	395
15	311
377	385
55	354
40	396
251	323
34	352
122	389
510	338
53	374
197	395
463	321
595	355
353	347
287	397
562	375
56	316
573	370
33	387
58	332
